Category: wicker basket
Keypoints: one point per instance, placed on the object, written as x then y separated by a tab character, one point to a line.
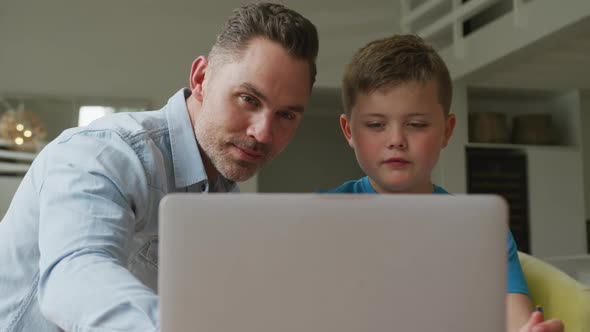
533	129
488	127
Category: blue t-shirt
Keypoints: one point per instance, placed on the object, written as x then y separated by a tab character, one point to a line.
516	281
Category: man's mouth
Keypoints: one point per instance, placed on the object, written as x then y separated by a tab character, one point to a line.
249	154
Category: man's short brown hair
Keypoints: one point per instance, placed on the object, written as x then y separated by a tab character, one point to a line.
291	30
387	62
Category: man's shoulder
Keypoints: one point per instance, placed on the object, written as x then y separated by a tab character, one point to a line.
133	125
129	127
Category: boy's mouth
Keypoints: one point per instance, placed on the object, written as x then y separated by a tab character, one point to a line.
397	162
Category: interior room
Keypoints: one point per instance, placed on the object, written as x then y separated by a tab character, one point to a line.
521	95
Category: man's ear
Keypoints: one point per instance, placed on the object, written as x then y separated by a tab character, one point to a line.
197	77
345	126
449	127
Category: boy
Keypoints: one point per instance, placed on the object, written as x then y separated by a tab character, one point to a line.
397	96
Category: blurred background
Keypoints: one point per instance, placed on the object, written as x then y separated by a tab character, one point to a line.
520	68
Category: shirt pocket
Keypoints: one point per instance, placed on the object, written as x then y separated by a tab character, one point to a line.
144	263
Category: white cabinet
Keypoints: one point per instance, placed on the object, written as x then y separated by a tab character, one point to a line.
562	106
555	173
556	202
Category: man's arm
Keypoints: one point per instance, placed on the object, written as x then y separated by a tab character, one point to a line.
89	200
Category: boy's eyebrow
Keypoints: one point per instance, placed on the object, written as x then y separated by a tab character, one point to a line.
378	115
418	114
253	90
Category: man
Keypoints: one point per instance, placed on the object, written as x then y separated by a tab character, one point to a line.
78	244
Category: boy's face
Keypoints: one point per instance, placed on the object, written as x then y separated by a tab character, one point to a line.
397	134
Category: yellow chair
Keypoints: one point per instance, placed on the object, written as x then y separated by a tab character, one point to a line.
560	295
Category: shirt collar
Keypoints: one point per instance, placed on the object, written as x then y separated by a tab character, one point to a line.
186	156
368	188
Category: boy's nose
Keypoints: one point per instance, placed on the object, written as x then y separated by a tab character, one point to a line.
400	146
397	139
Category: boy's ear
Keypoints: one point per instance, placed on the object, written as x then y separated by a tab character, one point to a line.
449	127
345	125
197	77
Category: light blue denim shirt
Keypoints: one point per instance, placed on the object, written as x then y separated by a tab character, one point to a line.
78	245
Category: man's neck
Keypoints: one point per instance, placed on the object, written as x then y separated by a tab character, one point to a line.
212	173
210	170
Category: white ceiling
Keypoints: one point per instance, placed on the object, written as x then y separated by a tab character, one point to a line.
560	61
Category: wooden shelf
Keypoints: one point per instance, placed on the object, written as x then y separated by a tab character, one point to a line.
17	155
522	146
15	162
13	168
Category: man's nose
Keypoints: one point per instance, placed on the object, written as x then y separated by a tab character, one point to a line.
261	127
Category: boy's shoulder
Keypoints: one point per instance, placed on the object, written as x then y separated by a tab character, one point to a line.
439	190
360	186
363	186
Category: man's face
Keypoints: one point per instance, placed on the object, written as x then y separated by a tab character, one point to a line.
397	134
249	108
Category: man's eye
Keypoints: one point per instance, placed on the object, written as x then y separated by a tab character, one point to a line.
287	115
249	99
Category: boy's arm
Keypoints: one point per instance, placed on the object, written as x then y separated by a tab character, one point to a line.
519	314
520	318
518	311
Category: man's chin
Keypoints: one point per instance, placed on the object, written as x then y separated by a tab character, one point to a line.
240	177
240	173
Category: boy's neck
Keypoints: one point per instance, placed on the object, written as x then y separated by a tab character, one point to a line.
423	188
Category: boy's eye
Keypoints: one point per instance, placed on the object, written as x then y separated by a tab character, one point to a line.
375	125
417	125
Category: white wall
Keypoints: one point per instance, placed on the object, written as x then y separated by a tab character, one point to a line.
450	171
318	157
144	48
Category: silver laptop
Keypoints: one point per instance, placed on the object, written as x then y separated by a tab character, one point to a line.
325	263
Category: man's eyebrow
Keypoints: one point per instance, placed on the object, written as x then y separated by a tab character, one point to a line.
380	115
253	90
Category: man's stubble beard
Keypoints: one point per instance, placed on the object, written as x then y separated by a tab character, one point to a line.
215	151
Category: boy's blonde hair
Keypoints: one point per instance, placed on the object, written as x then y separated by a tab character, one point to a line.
387	62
